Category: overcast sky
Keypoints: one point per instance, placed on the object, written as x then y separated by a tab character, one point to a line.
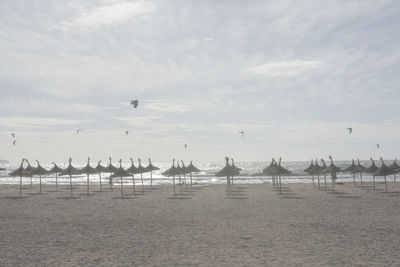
294	76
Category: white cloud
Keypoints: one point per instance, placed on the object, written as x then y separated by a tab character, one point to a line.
108	14
286	68
167	106
36	122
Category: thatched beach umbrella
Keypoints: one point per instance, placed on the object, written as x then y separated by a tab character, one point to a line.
383	170
191	168
88	170
2	169
39	170
70	170
184	172
150	168
56	170
395	168
171	172
234	167
323	171
227	171
359	169
141	170
133	170
316	170
19	172
271	167
179	171
121	172
309	169
350	168
100	168
27	170
332	169
371	169
111	169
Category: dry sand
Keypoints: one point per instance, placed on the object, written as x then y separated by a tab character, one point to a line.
256	226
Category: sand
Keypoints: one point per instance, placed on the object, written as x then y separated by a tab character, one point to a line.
256	226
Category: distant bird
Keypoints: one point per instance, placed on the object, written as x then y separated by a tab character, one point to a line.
377	146
126	132
242	133
13	135
350	130
78	131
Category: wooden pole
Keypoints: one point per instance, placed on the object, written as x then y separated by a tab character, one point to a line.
319	184
87	189
354	179
122	188
151	179
70	184
361	180
100	181
31	182
56	182
191	184
373	178
20	186
173	181
40	183
312	177
141	177
325	180
133	184
385	184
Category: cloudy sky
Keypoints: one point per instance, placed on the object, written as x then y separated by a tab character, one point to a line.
294	76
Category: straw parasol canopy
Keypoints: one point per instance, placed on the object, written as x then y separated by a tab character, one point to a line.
141	170
150	168
282	170
351	167
27	170
19	172
132	170
227	171
309	168
70	170
88	170
359	169
2	169
120	172
111	169
383	170
372	168
191	168
395	166
270	167
39	170
99	169
56	170
316	170
171	172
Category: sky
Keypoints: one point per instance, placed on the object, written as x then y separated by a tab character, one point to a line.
292	75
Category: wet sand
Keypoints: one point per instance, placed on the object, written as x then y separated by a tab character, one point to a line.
255	226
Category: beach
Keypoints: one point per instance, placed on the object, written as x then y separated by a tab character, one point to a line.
254	226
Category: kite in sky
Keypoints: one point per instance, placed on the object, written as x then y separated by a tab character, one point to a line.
242	133
350	130
377	145
135	103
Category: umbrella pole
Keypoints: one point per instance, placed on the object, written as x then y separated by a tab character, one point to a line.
87	189
111	183
280	184
191	184
122	188
56	182
361	180
354	179
70	184
151	179
319	184
184	179
312	177
180	183
333	183
385	185
325	180
20	186
141	177
173	182
394	178
227	185
31	182
100	180
134	186
40	183
373	178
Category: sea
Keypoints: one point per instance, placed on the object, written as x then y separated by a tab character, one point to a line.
248	175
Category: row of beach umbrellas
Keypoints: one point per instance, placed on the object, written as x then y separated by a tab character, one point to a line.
316	170
115	172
